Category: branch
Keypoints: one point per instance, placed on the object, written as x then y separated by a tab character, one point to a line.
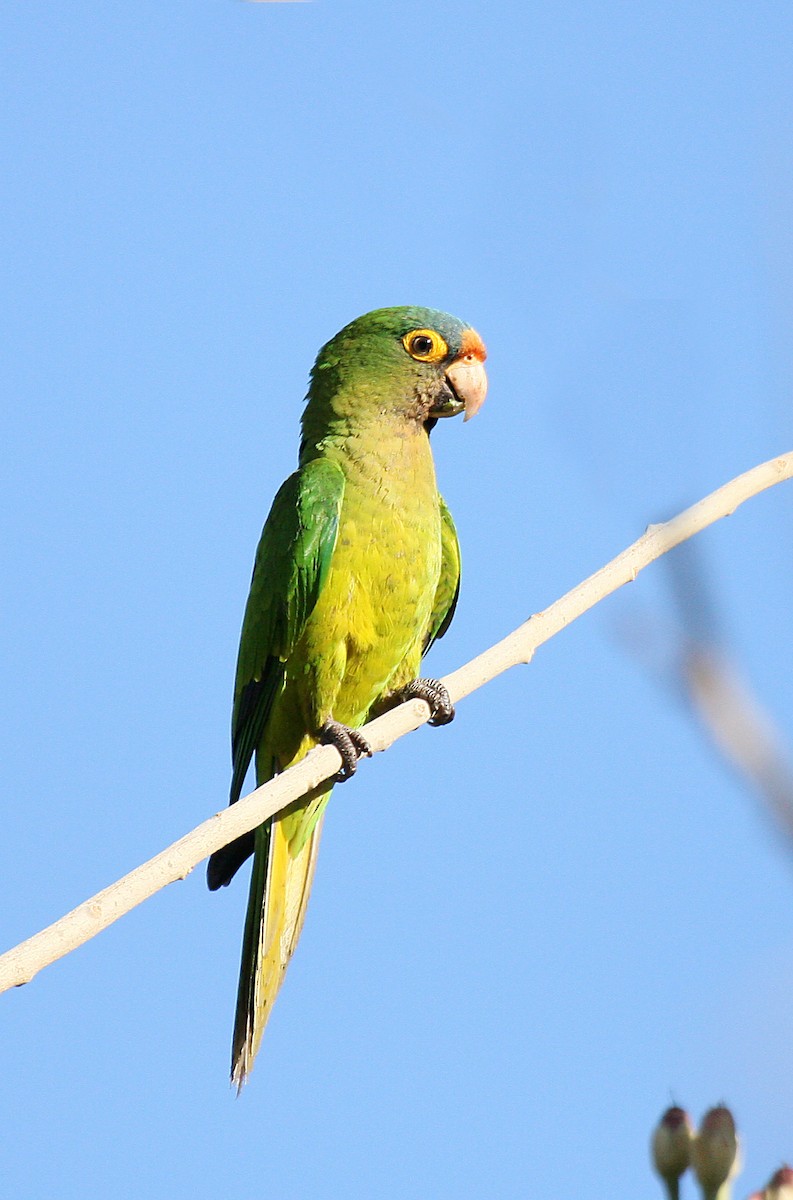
742	731
703	673
19	965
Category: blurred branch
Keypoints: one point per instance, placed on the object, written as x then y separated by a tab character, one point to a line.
742	731
694	594
19	965
690	657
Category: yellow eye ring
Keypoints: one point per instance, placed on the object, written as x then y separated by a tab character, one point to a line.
425	345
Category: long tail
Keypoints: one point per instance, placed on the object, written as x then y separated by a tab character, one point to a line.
283	871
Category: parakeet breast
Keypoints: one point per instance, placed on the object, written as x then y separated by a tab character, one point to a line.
370	622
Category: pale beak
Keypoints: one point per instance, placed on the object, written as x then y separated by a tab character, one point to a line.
468	380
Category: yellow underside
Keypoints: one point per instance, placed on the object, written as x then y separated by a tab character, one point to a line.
363	640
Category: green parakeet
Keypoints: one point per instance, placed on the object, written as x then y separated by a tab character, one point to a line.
356	574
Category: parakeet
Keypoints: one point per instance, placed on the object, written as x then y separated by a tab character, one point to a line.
356	574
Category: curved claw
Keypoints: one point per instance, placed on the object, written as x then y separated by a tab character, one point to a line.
435	695
350	744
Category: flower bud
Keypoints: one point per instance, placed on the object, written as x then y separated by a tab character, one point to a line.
671	1143
780	1186
714	1150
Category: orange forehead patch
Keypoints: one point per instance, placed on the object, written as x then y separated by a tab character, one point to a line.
473	345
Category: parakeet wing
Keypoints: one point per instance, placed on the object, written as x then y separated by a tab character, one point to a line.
448	588
291	565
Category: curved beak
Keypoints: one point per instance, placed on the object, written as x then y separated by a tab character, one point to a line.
467	380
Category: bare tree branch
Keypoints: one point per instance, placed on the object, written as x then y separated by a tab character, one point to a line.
19	965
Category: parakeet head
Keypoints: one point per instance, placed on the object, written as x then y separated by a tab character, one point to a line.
409	363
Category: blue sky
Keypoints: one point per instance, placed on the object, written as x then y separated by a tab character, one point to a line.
530	931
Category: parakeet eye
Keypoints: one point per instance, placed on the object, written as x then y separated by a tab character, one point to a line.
425	345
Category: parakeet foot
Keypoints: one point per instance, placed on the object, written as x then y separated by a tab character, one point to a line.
435	694
350	744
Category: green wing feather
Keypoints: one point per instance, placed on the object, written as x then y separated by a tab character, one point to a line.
292	562
448	588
